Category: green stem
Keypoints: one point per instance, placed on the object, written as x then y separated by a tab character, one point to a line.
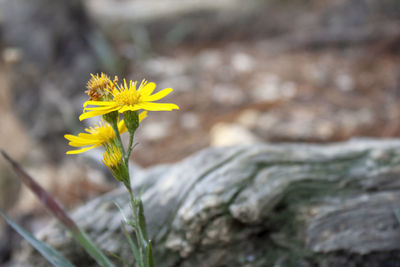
144	247
130	146
114	125
137	227
92	249
134	248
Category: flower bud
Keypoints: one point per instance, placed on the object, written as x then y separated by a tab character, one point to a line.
131	119
112	158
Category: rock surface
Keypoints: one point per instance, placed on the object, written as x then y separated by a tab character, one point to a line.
259	205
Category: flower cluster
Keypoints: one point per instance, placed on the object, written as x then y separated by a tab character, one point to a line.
109	99
122	107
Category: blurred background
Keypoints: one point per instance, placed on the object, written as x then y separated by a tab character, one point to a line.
243	72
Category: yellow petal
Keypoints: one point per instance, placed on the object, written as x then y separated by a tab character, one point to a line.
156	106
97	103
121	123
147	89
70	137
142	115
78	141
101	108
85	142
90	114
80	150
125	85
122	127
96	112
89	135
157	96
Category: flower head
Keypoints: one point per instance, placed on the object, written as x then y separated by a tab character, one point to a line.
97	135
113	159
125	97
98	86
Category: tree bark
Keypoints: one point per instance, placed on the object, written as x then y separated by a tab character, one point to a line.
259	205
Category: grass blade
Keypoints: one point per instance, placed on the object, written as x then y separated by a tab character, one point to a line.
53	256
57	211
150	255
142	220
44	197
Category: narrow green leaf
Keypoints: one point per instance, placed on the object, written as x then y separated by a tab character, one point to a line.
92	249
57	211
142	220
123	262
133	246
150	260
44	197
53	256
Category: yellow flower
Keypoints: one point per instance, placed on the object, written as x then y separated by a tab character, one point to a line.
97	86
112	158
128	98
97	135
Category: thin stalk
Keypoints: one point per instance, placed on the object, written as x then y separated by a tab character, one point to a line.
130	146
137	227
133	247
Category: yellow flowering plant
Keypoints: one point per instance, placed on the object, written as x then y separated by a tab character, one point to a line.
122	108
111	100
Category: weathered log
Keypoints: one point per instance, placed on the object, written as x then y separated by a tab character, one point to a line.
259	205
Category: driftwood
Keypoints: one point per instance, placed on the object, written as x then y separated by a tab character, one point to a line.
260	205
